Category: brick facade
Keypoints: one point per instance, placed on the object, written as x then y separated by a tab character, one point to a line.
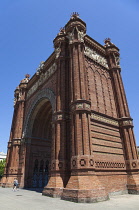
72	132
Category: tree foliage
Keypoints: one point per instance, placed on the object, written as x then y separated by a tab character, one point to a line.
2	166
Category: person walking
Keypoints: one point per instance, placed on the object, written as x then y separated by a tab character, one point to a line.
15	184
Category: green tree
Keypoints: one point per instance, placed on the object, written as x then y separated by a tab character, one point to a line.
2	166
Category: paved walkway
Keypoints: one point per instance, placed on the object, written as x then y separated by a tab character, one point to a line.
32	200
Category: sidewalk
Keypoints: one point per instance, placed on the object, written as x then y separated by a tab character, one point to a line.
32	200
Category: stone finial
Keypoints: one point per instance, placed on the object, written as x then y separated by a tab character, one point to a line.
27	76
74	15
107	42
26	79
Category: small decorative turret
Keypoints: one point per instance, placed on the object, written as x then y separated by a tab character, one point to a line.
75	21
19	93
112	52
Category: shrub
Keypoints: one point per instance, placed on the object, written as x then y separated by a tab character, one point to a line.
2	166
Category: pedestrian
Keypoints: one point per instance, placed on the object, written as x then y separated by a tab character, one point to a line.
15	184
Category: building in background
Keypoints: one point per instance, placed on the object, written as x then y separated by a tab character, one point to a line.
2	156
72	132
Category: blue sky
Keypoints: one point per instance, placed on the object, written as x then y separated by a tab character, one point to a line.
28	28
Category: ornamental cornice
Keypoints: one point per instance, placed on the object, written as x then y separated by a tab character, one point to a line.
94	44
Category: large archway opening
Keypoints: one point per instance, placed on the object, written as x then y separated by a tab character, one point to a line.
40	145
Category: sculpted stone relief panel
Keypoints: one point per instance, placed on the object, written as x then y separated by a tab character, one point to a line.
95	56
42	78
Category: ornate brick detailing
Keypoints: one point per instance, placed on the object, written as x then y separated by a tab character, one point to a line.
99	164
91	162
132	164
41	80
101	92
57	165
95	56
82	162
104	119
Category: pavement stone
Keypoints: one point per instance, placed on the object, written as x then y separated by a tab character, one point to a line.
24	199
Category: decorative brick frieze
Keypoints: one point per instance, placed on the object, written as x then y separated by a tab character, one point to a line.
104	119
82	161
109	165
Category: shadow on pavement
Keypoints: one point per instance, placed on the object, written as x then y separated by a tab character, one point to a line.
39	190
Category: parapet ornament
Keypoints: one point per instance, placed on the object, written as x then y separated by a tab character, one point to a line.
95	56
40	68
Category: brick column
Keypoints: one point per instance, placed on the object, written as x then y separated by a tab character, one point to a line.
80	186
60	120
125	121
12	165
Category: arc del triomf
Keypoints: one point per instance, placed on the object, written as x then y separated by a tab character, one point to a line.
71	131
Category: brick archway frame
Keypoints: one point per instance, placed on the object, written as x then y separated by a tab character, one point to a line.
41	95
